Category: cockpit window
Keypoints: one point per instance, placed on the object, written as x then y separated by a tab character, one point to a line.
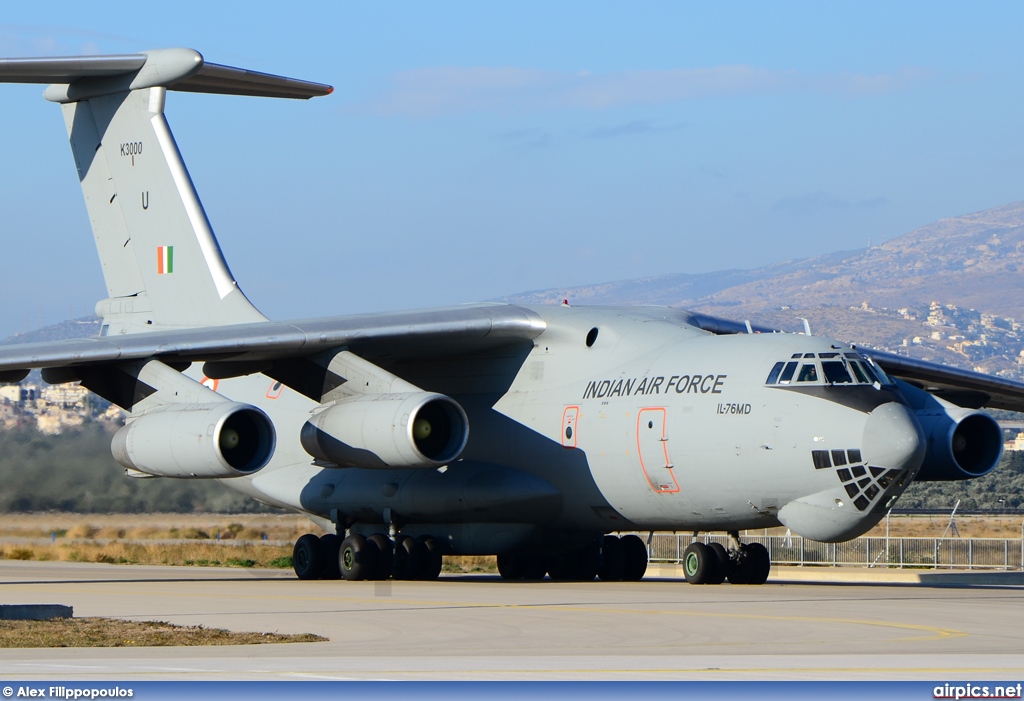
835	372
882	377
858	370
836	368
808	373
787	374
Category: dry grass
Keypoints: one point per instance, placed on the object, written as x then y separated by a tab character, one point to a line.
211	554
157	526
112	632
470	564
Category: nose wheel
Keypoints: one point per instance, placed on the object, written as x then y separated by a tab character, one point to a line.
742	563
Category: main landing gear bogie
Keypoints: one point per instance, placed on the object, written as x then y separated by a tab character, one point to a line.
610	559
357	557
712	564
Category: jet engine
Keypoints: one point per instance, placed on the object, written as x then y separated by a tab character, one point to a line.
223	439
961	443
415	429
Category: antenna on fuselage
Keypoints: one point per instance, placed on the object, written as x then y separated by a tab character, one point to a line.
807	326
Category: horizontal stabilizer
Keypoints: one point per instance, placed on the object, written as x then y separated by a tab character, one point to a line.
174	69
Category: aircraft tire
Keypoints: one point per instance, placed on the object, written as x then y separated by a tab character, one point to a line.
534	566
330	547
562	566
723	563
433	559
384	552
355	558
613	560
700	563
410	557
511	566
307	557
761	563
588	562
634	558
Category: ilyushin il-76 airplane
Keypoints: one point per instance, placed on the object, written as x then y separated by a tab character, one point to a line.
534	433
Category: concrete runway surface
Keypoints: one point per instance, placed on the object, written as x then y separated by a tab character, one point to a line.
482	628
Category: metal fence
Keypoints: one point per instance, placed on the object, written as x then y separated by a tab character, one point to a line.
932	553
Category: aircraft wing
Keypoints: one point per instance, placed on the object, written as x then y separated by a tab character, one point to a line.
961	387
461	330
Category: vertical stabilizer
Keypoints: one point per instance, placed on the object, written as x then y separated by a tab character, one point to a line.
162	264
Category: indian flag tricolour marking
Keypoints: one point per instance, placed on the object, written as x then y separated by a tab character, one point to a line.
164	260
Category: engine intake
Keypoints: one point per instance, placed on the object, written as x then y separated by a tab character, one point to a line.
218	440
962	443
416	429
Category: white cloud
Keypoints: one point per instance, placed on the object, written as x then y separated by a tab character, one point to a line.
431	92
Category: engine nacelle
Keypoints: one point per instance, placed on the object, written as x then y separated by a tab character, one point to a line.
962	443
416	429
225	439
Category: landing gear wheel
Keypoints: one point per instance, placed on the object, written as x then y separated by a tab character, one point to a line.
410	557
355	559
579	565
634	558
511	566
433	559
700	564
534	566
307	557
751	565
562	566
613	560
384	555
723	563
761	563
330	546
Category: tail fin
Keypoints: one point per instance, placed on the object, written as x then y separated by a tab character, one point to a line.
161	261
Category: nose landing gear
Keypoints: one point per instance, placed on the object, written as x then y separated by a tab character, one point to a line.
712	564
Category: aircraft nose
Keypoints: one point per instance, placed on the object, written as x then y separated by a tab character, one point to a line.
893	438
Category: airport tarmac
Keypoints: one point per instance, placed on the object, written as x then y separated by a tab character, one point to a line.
471	627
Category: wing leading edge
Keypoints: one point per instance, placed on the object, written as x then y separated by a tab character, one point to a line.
448	330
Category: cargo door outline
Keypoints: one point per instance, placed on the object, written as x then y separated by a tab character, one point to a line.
652	450
570	418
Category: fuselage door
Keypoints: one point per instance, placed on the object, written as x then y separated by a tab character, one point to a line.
652	449
569	418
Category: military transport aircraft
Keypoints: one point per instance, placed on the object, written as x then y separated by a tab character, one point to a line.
533	433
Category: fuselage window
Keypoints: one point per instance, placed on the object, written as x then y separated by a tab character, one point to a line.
773	376
787	374
808	355
808	373
835	373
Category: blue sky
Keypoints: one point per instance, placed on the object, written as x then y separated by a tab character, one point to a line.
475	150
